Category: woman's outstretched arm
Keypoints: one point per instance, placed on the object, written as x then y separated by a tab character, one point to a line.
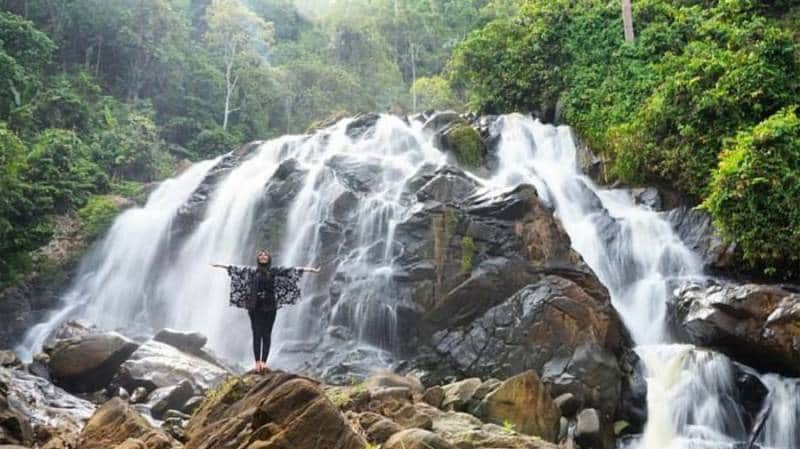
307	269
216	265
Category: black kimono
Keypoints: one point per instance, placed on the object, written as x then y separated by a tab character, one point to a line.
262	291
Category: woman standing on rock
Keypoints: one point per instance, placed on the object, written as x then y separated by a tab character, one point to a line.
261	290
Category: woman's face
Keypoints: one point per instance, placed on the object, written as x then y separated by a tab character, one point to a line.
263	257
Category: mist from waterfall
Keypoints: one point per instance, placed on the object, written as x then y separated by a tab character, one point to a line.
140	279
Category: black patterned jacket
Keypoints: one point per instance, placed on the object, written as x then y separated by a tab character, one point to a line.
286	290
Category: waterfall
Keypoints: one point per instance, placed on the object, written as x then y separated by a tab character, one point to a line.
692	401
114	277
145	275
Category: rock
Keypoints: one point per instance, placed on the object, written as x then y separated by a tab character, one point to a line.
380	430
486	387
589	433
562	327
14	427
73	329
465	431
416	439
43	404
448	185
647	196
464	142
568	404
191	342
115	423
131	443
434	396
696	230
123	394
391	380
752	323
191	405
400	394
9	359
154	365
167	398
588	162
524	402
361	124
275	410
440	121
39	366
139	395
87	362
457	396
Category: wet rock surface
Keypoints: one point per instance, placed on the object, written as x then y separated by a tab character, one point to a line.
36	403
86	363
753	323
556	327
154	365
695	229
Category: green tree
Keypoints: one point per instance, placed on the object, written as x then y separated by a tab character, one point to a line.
24	54
60	169
239	38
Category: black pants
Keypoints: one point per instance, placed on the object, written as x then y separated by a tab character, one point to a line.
261	322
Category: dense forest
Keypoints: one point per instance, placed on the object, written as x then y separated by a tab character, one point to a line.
101	97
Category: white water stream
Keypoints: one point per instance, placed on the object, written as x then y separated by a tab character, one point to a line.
138	279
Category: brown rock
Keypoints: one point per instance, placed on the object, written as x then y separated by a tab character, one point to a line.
756	324
434	396
114	423
416	439
131	443
524	402
276	410
458	395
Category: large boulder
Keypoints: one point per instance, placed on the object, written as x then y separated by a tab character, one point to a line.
524	403
87	363
31	402
563	328
756	324
277	410
155	365
461	258
191	342
115	424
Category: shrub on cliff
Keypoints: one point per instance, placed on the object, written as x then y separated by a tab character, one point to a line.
755	193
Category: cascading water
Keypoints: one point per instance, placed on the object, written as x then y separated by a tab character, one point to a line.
118	271
139	278
692	402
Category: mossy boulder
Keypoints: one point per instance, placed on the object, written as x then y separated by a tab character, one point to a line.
465	143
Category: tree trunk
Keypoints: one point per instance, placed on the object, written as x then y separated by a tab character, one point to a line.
413	79
627	20
228	90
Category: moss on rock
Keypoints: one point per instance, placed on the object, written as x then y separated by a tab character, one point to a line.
465	143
